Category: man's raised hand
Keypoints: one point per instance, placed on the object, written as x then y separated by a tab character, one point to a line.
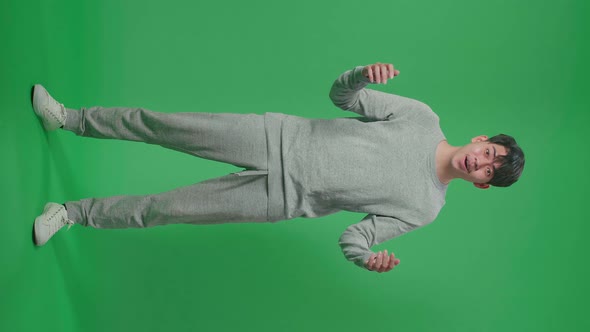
381	262
380	72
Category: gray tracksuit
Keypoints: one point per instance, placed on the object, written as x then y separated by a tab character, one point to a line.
381	164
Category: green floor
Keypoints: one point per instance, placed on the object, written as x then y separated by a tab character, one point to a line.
506	259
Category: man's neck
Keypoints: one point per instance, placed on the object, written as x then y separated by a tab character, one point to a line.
443	161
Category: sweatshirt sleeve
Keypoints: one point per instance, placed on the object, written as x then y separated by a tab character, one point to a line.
348	93
357	239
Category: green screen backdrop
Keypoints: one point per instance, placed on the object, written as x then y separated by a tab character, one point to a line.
505	259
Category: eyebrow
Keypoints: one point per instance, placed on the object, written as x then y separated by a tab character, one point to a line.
494	167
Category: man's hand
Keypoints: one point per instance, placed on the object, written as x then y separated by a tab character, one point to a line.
380	72
381	262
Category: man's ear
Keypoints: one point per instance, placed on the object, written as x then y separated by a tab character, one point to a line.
481	185
479	138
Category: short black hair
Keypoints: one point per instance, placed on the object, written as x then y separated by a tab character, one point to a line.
512	163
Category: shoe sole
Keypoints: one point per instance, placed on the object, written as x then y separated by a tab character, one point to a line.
35	99
34	235
35	232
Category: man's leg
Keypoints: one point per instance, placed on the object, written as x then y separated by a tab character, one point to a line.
228	199
238	139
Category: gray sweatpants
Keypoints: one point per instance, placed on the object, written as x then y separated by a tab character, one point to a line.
238	139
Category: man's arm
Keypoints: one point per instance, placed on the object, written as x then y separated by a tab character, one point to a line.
348	93
357	240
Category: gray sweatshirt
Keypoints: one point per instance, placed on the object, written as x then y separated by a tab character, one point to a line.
382	164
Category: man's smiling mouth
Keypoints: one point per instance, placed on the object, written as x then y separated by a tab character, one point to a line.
466	165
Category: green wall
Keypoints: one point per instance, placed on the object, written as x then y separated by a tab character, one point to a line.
505	259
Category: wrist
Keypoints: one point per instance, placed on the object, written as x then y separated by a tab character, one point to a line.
359	75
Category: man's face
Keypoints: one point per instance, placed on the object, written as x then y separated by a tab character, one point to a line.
474	162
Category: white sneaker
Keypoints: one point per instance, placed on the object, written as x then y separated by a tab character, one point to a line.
53	218
52	113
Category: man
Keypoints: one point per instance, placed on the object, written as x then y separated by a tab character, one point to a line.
393	163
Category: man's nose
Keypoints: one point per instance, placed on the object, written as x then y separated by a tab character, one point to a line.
482	162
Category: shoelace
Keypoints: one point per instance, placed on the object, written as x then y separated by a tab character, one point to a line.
61	115
54	227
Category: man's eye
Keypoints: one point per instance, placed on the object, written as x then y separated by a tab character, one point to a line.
489	172
488	151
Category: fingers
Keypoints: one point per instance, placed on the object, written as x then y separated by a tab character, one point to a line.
384	267
370	72
378	73
371	262
382	262
379	261
381	72
385	262
393	262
